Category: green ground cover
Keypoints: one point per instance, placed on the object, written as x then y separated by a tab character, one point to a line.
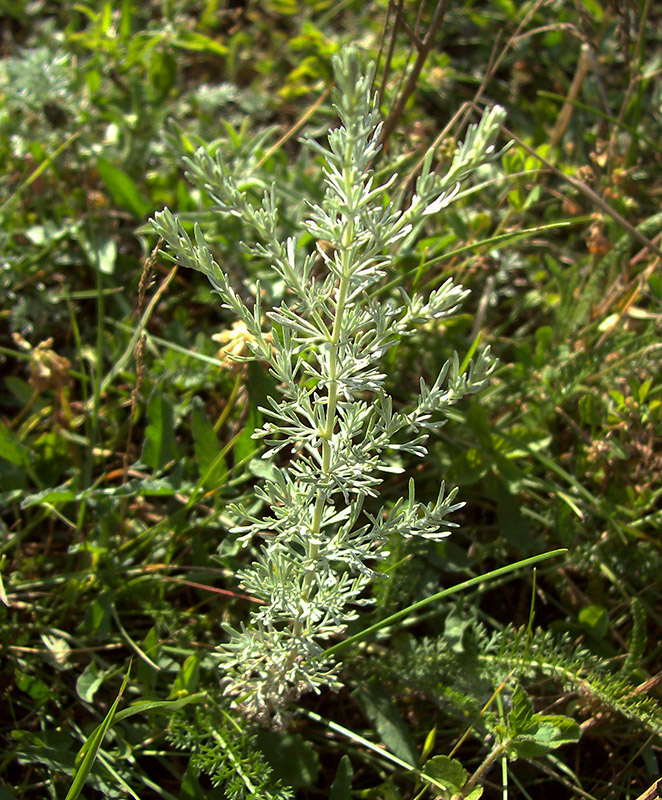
520	656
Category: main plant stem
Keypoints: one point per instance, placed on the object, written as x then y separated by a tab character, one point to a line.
330	418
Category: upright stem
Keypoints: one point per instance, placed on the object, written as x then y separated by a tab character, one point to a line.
332	402
332	398
497	750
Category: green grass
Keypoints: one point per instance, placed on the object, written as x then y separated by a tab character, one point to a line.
124	434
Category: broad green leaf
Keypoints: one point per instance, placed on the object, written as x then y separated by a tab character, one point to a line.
259	386
160	487
455	628
11	449
162	72
644	389
382	712
285	7
595	619
292	759
57	649
513	525
187	678
478	423
467	468
245	446
190	40
159	447
50	749
655	284
53	497
341	788
531	440
97	616
123	189
208	451
262	469
19	389
33	686
101	254
107	256
145	674
89	681
141	43
124	28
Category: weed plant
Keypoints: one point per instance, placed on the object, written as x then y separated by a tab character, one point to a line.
333	422
116	475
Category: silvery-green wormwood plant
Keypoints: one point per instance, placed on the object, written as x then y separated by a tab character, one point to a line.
334	426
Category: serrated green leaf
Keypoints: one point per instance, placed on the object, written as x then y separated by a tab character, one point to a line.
533	735
54	496
547	732
447	771
519	718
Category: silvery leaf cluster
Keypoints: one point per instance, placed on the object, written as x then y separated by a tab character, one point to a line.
332	434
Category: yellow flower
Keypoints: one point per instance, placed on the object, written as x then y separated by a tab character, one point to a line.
234	345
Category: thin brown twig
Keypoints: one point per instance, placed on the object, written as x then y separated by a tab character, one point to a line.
563	119
398	20
410	85
138	353
495	63
298	124
590	194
